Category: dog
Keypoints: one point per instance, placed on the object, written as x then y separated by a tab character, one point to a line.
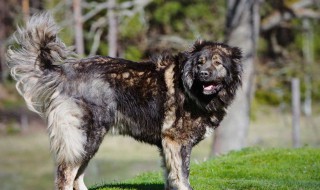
172	101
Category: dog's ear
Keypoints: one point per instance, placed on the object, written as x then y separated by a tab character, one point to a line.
198	42
236	55
187	75
197	45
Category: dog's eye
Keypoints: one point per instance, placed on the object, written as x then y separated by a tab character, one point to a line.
201	60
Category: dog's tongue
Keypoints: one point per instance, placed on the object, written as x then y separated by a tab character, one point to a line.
208	87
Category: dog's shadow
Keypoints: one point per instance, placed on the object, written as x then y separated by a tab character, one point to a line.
142	186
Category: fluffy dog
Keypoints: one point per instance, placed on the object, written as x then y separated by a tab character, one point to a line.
171	102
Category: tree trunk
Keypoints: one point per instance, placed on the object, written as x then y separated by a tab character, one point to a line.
26	10
113	29
2	65
295	88
3	15
308	58
242	29
78	26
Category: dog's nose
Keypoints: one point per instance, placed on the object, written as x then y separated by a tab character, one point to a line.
204	74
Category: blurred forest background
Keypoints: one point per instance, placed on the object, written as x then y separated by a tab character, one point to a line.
278	105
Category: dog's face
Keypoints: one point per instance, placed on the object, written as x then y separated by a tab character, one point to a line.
211	67
210	71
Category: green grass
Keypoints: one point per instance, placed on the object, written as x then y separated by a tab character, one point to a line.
251	168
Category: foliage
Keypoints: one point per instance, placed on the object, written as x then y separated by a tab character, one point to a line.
168	10
132	53
282	58
247	169
188	19
131	27
142	33
132	32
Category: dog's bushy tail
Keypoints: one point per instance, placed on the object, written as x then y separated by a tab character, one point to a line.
35	60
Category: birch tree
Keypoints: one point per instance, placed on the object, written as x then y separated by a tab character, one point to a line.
78	26
113	29
2	39
6	27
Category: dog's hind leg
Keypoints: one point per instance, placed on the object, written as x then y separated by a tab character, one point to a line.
95	134
91	149
67	139
78	182
65	176
176	158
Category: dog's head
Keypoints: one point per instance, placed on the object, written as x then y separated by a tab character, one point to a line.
211	67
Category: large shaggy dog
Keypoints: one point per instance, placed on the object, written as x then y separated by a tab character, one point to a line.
172	101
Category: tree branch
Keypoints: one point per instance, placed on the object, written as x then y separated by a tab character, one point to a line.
299	10
98	7
96	42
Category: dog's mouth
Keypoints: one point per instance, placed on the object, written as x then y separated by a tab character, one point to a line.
211	88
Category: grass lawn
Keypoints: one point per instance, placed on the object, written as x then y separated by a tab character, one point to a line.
247	169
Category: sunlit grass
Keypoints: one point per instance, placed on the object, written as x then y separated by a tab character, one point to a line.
246	169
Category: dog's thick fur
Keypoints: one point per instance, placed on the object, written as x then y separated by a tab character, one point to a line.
172	101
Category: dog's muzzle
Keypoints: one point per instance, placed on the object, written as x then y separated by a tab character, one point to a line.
211	83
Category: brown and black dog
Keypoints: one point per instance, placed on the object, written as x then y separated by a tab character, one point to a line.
171	102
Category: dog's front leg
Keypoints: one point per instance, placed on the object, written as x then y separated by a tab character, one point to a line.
176	158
